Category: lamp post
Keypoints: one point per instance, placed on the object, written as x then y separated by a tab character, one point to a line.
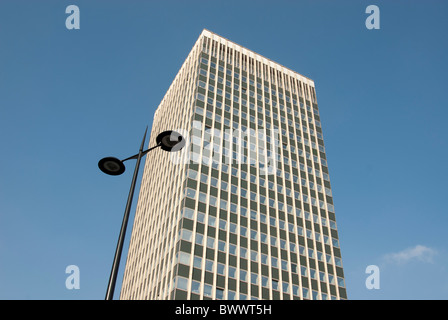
168	141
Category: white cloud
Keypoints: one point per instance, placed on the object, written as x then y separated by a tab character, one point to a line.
419	253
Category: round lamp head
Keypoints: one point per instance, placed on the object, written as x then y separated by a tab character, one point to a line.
170	141
111	166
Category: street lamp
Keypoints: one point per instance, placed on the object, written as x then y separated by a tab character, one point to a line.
170	141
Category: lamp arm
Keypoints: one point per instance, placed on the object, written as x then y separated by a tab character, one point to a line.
135	156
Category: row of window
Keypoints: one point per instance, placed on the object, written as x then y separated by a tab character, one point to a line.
242	174
267	113
243	275
203	71
261	181
267	165
243	114
243	193
245	138
252	94
275	204
213	67
252	107
182	283
251	118
209	242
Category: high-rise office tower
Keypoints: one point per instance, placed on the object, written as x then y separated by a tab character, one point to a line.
245	210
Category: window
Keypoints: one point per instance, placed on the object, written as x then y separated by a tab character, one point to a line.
264	258
196	287
219	293
210	242
181	283
283	244
291	229
274	262
202	197
213	201
243	231
253	215
201	217
223	204
197	262
281	223
293	268
254	278
338	261
220	269
232	249
254	255
208	290
320	256
253	196
232	272
211	221
274	284
335	242
310	253
188	213
295	290
243	275
191	193
305	293
186	235
243	252
322	276
209	265
222	224
332	224
199	239
303	271
192	174
221	245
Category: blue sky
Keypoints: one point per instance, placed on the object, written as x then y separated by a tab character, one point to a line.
71	97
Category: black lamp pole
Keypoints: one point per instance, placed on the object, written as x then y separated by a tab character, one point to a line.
115	265
168	141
